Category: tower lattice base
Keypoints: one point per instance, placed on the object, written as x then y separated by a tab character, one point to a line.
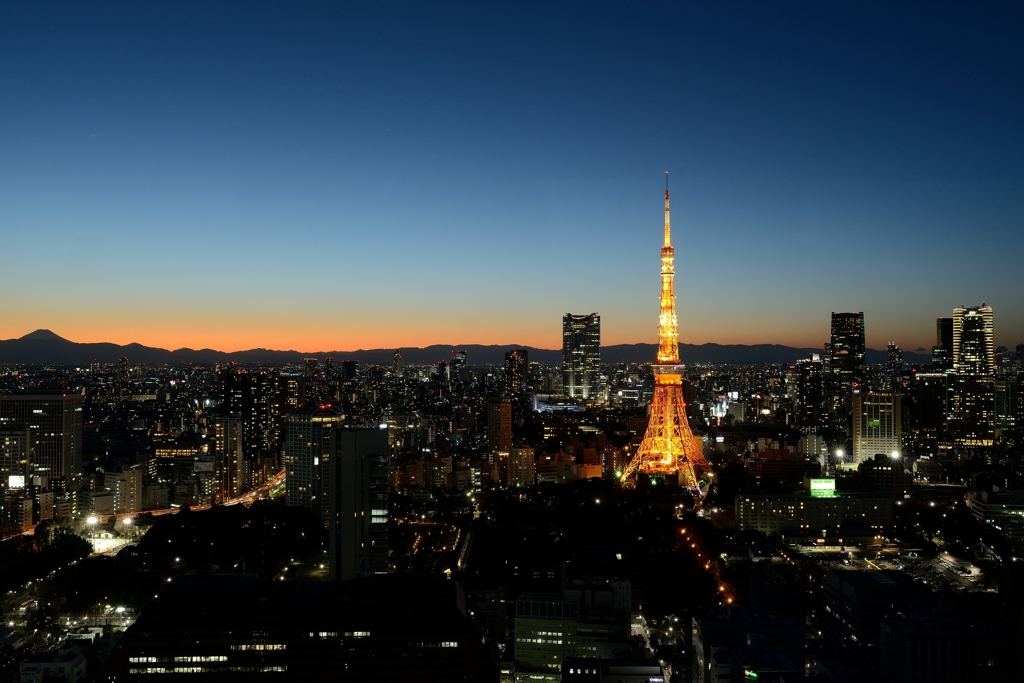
669	447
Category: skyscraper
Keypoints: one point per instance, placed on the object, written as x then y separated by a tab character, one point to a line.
942	352
499	426
894	368
15	463
848	349
349	369
973	344
877	425
973	419
307	457
459	371
358	503
228	465
251	396
810	396
55	421
516	365
581	355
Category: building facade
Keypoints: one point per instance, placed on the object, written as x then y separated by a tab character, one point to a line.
581	356
877	425
55	421
358	503
307	457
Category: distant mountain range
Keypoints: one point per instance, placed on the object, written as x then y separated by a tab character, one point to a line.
43	347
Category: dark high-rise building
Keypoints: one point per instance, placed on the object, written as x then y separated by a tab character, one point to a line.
516	365
358	520
894	367
311	368
122	374
55	421
228	463
251	397
810	396
307	457
581	356
1007	402
499	426
931	402
973	419
847	348
942	352
459	372
349	369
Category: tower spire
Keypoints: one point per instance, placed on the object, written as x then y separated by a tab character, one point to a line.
668	229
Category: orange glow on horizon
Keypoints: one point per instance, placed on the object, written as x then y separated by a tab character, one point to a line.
287	338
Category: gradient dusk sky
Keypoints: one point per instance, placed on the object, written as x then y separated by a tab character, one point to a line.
332	176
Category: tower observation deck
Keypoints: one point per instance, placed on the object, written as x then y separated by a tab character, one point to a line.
669	447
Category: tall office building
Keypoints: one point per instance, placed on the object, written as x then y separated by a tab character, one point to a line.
581	356
349	369
460	373
15	458
251	397
516	366
847	348
1007	405
877	425
942	352
55	421
307	457
973	344
810	396
895	367
228	464
973	414
499	426
931	397
358	509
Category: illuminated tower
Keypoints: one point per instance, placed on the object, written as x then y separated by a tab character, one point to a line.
669	447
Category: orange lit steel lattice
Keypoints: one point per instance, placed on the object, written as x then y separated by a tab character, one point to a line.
669	447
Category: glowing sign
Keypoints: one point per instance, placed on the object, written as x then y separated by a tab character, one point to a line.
823	488
15	482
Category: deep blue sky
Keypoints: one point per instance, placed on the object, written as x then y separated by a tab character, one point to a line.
325	175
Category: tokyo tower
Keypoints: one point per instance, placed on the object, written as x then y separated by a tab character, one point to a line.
669	447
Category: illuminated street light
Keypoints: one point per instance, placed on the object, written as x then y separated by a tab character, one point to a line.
92	520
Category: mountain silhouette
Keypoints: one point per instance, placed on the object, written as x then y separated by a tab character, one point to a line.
44	347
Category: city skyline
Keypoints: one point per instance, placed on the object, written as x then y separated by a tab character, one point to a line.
421	175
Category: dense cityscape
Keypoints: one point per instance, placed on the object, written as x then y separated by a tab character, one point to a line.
825	518
373	342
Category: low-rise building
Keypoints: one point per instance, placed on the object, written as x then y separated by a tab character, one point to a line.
817	511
